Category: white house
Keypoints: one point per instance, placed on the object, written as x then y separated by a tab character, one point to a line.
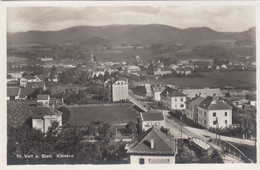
28	78
157	91
214	113
133	70
44	117
173	99
43	100
149	120
152	147
162	72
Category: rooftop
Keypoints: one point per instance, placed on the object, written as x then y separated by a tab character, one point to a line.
163	144
40	112
202	92
172	92
43	97
152	116
13	91
211	103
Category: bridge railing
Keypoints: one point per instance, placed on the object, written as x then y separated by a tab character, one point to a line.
229	148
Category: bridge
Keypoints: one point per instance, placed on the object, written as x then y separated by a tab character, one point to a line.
228	152
136	101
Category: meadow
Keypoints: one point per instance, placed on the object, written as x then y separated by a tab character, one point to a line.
81	116
237	79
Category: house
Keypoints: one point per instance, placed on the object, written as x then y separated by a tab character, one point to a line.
43	100
35	85
157	91
174	67
162	72
25	92
252	99
117	89
44	117
191	93
46	59
214	113
97	72
13	93
133	70
29	78
191	110
152	147
173	98
184	71
149	120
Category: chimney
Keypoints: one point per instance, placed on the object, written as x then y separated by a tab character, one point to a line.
152	143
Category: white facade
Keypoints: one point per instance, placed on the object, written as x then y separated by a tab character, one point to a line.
44	123
157	96
162	72
207	118
120	90
174	102
24	80
152	159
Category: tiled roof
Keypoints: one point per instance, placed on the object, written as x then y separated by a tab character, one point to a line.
29	77
40	112
13	91
214	104
163	144
25	92
195	101
172	92
152	116
43	97
40	84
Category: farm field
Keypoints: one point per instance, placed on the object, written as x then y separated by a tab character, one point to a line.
212	79
82	116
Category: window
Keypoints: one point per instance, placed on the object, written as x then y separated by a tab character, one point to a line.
141	161
225	121
214	122
214	114
225	113
181	99
205	121
205	113
182	105
175	100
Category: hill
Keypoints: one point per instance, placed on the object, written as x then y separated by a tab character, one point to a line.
128	34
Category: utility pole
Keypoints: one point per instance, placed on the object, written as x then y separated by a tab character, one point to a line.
181	126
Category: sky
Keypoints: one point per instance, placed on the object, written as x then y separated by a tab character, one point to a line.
225	18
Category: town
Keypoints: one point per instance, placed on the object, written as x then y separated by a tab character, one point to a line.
109	112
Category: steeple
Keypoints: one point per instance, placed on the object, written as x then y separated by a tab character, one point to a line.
91	56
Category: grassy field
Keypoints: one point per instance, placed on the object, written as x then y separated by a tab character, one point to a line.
212	79
109	114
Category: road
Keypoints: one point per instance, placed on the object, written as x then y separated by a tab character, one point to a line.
202	133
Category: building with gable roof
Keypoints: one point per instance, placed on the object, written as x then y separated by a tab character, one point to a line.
44	117
191	110
43	100
29	78
214	113
13	93
157	89
173	98
152	147
151	119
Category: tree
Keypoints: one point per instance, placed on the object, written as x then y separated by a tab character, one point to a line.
186	155
131	127
53	130
65	114
53	72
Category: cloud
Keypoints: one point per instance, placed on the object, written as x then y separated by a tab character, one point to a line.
220	18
